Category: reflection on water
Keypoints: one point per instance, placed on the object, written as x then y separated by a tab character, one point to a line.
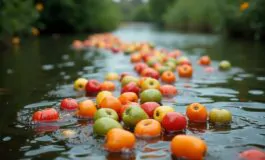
40	72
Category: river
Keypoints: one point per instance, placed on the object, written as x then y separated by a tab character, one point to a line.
40	72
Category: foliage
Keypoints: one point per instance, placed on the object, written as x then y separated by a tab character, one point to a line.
158	8
141	13
200	15
17	16
128	8
20	17
80	15
244	18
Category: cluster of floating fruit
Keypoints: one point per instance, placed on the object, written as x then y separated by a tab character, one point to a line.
138	110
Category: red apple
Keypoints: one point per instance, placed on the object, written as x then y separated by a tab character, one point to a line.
69	104
147	56
92	86
150	72
139	67
168	90
115	49
46	115
131	87
253	154
174	121
149	108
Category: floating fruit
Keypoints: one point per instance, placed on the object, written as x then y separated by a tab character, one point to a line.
220	116
189	147
174	121
119	140
132	115
106	112
128	97
69	104
147	128
86	109
151	95
161	111
168	77
45	115
80	84
111	102
104	124
107	86
196	112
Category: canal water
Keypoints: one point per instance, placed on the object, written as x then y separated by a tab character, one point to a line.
41	71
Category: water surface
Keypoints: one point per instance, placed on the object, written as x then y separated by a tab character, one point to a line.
40	72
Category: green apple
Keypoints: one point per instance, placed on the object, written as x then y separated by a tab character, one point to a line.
181	59
128	51
173	60
80	84
152	61
106	112
220	116
132	115
161	111
150	83
224	65
163	69
127	79
171	65
104	124
151	95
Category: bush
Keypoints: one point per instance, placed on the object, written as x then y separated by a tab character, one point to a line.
80	15
158	8
141	13
244	19
17	17
202	15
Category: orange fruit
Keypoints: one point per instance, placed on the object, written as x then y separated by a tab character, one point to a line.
136	57
101	95
141	80
111	102
112	76
205	60
189	147
118	140
168	77
196	112
185	70
147	128
128	97
86	109
77	44
107	86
